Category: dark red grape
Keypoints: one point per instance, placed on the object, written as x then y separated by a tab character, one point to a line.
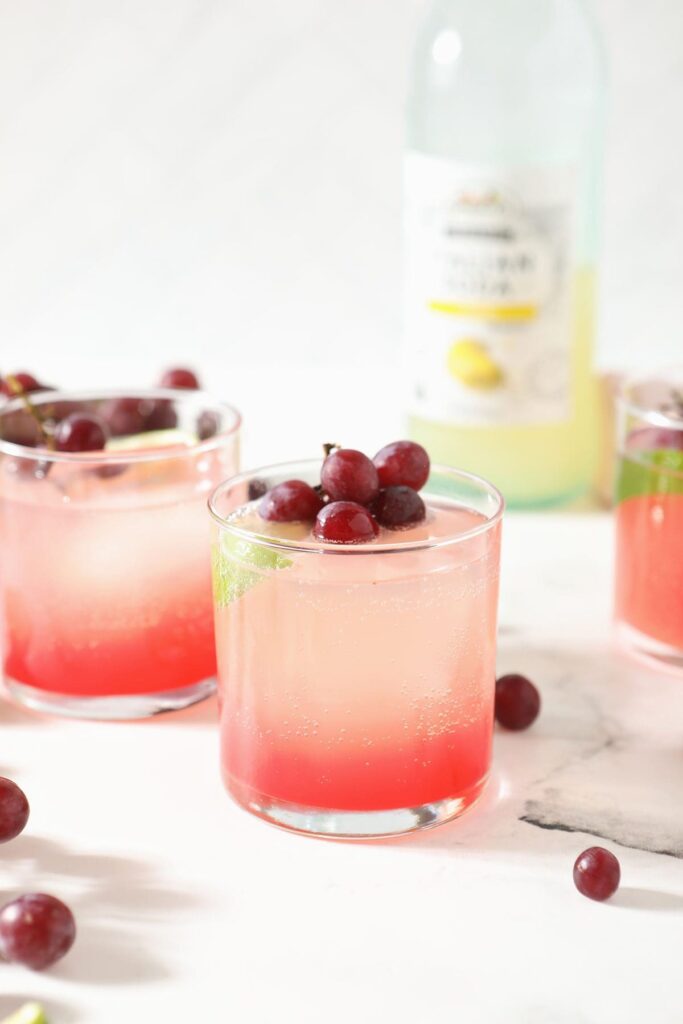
125	416
21	428
14	810
348	475
36	930
26	381
395	507
518	702
208	424
597	873
180	377
345	522
402	463
289	502
80	432
161	415
257	488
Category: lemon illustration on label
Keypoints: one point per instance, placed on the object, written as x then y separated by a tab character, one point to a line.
470	363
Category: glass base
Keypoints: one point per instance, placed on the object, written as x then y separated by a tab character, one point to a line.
656	654
335	824
124	706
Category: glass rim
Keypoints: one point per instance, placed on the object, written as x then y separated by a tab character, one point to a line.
104	457
628	404
330	548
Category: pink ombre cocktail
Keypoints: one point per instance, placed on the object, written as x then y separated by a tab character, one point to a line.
105	580
649	518
357	682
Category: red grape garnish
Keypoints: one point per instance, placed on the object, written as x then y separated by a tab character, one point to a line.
180	377
597	873
161	415
348	475
518	702
14	810
395	507
208	425
257	488
402	463
80	432
289	502
36	930
26	381
125	416
345	522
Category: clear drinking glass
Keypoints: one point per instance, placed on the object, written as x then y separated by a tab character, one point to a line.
105	588
356	682
649	517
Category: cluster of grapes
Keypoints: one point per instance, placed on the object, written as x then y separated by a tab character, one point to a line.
35	929
118	417
356	494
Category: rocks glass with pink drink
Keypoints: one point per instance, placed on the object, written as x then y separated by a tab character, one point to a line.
105	579
649	517
356	679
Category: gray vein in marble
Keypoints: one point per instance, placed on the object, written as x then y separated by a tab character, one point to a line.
535	814
606	757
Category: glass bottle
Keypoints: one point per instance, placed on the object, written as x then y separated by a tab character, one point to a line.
502	173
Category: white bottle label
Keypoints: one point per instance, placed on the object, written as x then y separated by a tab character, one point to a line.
489	260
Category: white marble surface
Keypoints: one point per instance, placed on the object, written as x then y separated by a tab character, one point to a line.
190	910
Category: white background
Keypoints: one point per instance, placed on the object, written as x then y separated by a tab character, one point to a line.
219	182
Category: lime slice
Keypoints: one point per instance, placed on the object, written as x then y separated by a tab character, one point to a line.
655	472
152	439
232	558
29	1013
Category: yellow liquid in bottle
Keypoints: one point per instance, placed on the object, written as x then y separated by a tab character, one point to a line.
533	464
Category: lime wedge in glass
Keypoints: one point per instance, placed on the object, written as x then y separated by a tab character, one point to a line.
152	439
654	472
232	560
29	1013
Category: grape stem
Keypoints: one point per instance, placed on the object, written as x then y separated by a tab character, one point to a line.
329	448
31	409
